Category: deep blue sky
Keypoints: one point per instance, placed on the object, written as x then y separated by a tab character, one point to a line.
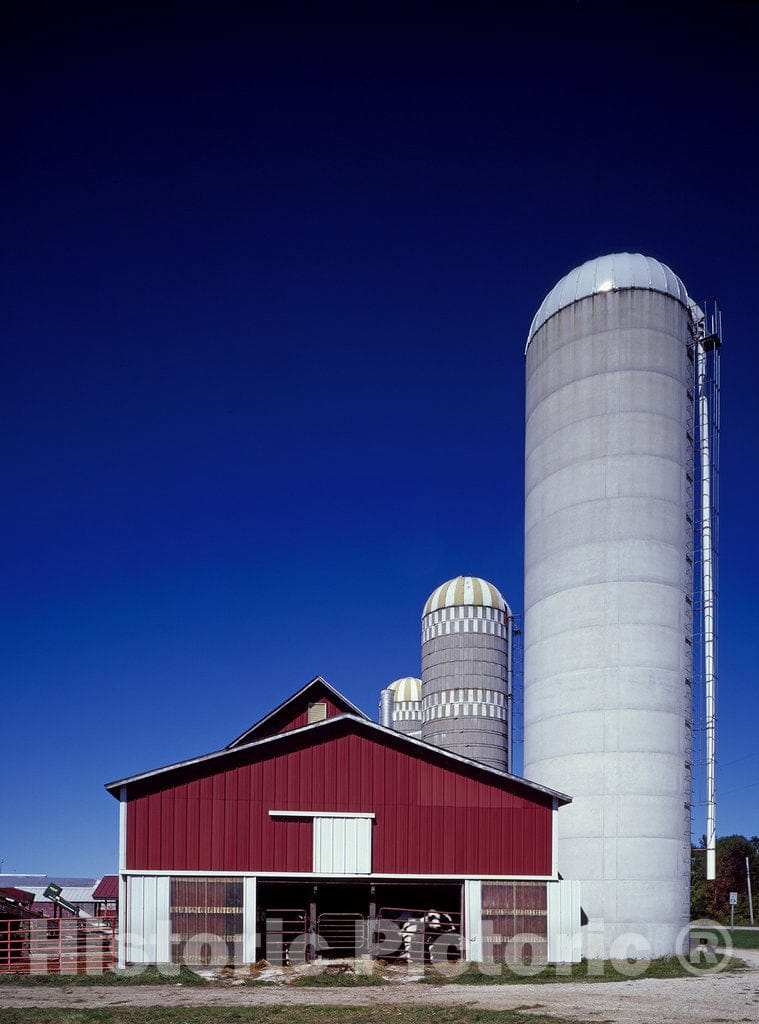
267	276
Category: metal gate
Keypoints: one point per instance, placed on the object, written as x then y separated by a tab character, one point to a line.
57	945
343	934
286	932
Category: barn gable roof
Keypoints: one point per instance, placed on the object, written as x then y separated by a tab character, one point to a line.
362	724
287	715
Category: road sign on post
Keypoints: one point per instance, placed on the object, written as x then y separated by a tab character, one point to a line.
733	902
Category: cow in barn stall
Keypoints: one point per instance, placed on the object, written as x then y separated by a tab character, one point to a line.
420	933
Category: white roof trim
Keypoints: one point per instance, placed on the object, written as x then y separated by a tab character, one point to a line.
429	748
322	814
225	752
470	762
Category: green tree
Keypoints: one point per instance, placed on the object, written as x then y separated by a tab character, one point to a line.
698	880
712	899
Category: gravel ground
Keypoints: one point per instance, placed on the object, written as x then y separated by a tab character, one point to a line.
709	999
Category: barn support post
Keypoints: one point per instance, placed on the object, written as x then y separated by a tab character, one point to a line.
462	921
472	920
250	940
122	918
311	926
371	921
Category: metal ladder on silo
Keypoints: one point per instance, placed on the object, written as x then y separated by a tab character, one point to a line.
706	429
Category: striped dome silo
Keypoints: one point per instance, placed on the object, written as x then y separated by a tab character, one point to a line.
407	705
466	670
409	688
465	590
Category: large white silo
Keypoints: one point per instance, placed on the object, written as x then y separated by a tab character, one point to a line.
609	589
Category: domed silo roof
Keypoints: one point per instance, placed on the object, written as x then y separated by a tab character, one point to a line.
407	688
463	590
610	273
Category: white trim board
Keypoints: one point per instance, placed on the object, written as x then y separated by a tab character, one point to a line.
122	918
555	839
322	814
182	873
328	724
249	919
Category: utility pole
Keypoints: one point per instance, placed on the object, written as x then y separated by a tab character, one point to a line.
750	901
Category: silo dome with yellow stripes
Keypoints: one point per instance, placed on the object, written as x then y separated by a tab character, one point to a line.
407	705
465	590
409	688
466	670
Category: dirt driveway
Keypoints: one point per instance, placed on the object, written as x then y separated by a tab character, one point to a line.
709	999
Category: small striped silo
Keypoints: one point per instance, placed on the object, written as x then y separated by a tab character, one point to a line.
608	657
405	711
466	671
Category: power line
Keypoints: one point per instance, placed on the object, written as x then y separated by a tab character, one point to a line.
739	788
725	764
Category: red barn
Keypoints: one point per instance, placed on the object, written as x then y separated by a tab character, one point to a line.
319	832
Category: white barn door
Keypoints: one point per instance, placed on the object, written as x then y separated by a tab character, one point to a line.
148	924
343	845
564	937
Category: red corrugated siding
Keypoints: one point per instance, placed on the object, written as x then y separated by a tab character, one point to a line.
431	818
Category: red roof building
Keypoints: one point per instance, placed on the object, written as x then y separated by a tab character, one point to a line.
320	832
106	889
106	896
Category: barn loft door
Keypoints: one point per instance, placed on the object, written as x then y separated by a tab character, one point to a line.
343	846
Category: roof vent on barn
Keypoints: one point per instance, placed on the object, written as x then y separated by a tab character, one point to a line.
315	702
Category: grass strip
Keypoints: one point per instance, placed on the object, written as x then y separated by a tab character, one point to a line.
336	981
588	971
132	976
276	1015
743	940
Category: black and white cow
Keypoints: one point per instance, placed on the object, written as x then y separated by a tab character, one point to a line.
419	933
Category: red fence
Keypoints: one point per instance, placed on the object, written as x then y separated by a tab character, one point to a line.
57	945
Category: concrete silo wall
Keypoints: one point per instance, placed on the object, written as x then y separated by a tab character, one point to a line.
608	613
407	717
466	684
